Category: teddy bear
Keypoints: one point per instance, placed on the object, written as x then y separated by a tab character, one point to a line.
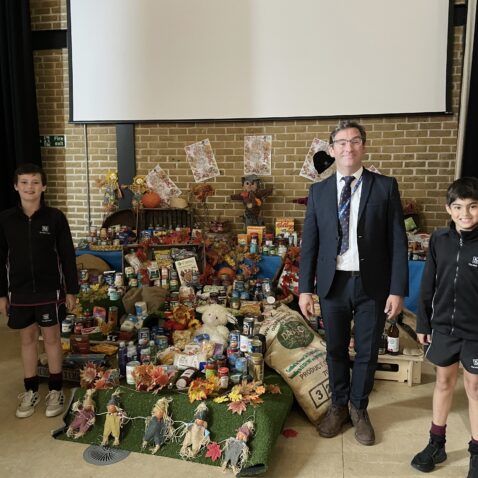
214	318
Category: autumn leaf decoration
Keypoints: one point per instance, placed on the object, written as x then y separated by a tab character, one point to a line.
245	394
95	376
151	378
201	389
213	451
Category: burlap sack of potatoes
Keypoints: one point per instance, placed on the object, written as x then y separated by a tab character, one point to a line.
297	353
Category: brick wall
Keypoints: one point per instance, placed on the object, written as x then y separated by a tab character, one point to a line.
418	150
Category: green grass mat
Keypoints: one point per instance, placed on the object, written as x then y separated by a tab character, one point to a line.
269	418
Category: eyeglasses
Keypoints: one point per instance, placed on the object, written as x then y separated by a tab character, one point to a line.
357	141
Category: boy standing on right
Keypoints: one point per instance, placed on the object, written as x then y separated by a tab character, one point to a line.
447	319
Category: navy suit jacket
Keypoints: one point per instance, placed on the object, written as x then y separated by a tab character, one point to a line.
381	238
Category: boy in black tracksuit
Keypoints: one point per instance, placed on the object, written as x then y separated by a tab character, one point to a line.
38	281
447	319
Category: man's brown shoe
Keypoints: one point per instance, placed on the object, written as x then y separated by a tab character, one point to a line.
333	421
364	432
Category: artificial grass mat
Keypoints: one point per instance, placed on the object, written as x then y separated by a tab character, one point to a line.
268	418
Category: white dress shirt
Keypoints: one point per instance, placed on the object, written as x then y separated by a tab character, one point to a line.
349	260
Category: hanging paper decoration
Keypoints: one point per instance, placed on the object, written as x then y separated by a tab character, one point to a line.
257	155
159	181
308	169
202	161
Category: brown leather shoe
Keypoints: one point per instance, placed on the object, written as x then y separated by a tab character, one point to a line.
333	421
364	432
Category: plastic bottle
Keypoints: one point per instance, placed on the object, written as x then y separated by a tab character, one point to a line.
131	353
153	350
393	339
122	359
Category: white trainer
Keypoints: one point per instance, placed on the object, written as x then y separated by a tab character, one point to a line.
55	402
28	401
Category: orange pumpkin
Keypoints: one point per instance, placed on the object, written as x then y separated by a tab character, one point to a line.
226	271
151	199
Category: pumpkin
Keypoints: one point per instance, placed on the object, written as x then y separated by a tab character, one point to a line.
226	271
151	199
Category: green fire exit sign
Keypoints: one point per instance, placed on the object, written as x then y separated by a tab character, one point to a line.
53	141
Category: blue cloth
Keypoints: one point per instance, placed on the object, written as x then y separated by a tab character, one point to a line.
113	258
415	271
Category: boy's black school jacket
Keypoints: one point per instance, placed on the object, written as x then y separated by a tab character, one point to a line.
449	289
37	256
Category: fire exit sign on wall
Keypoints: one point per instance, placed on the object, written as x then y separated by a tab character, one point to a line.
53	141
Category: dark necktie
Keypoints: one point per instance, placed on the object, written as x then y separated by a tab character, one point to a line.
344	217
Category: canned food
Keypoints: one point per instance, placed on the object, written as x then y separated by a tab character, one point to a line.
109	277
241	365
256	346
161	341
234	339
119	281
143	336
248	326
66	326
84	276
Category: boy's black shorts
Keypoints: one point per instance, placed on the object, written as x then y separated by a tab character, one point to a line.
446	350
45	315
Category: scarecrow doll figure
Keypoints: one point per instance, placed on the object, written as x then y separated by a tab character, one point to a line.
112	191
236	451
159	426
252	196
197	434
84	416
115	418
138	187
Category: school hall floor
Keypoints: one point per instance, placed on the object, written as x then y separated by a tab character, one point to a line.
401	416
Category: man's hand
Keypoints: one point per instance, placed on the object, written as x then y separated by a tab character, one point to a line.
393	306
4	305
70	301
306	304
424	339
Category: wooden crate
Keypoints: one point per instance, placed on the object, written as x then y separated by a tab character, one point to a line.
400	368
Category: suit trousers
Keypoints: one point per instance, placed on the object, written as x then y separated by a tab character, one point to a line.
347	301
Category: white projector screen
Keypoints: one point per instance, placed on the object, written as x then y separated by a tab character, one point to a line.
175	60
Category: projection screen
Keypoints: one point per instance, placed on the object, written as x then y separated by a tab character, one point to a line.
185	60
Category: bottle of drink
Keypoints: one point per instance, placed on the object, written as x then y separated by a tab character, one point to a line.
393	340
153	350
122	359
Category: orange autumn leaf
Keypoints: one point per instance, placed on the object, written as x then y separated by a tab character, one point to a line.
274	389
237	407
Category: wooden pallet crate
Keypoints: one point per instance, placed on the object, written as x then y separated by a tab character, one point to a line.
399	368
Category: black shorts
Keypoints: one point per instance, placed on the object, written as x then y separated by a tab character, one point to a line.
446	350
45	315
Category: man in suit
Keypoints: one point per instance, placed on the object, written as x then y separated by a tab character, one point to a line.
354	256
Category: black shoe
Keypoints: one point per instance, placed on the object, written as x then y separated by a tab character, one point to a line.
432	454
473	470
